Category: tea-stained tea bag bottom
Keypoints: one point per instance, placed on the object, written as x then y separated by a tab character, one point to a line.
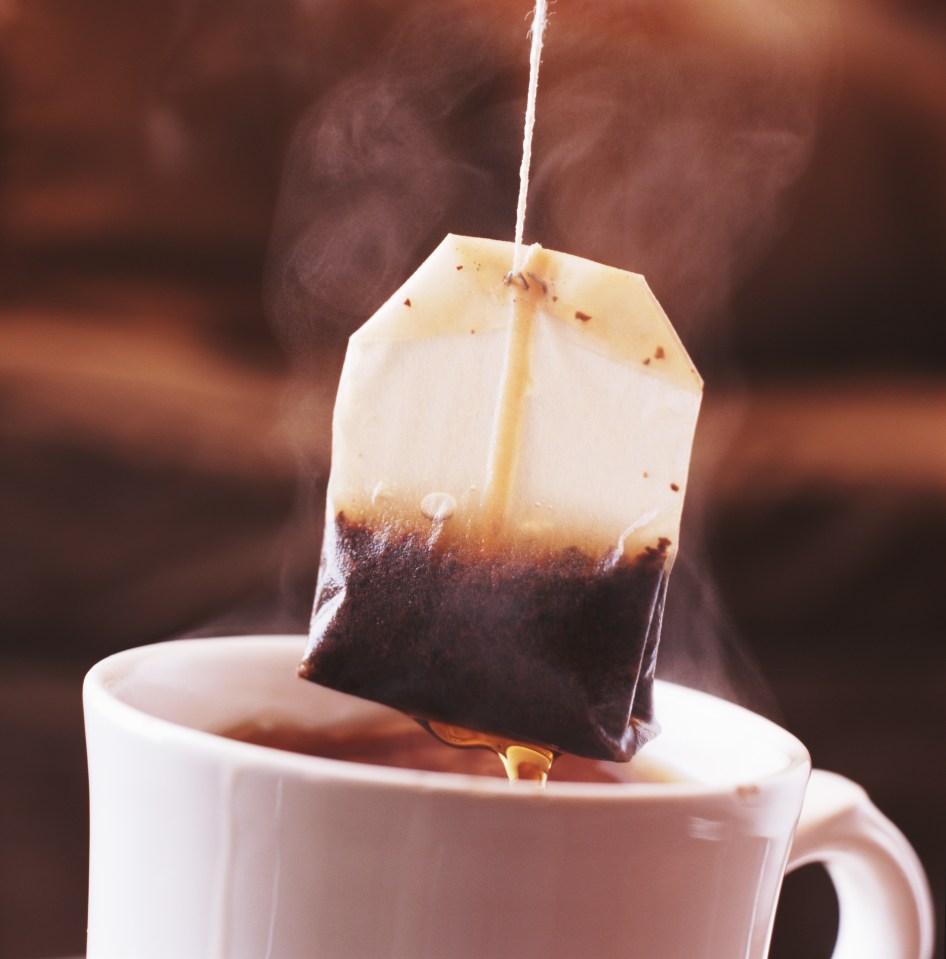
509	462
558	652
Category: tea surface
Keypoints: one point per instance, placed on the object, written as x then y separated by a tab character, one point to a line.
400	742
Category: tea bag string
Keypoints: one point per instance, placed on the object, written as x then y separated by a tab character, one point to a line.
507	424
539	21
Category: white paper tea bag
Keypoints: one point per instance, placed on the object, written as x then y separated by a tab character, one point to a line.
509	463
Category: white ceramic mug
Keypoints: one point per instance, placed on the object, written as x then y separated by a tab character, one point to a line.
203	847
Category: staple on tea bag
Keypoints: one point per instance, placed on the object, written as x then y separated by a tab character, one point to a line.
509	465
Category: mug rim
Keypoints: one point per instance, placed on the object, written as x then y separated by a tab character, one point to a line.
99	696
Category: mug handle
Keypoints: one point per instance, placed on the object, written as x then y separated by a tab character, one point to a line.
885	905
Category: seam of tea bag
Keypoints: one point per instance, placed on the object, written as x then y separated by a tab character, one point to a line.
505	439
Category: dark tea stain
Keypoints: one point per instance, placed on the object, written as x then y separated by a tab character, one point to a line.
558	652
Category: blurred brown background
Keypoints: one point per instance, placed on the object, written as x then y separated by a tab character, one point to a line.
200	199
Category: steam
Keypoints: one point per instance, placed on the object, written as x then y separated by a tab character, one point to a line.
383	164
668	135
673	158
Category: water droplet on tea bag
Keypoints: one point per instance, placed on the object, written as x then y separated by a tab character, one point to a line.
438	506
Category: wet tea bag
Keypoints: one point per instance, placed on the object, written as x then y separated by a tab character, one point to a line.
509	462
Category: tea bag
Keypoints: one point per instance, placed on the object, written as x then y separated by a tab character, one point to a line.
509	462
